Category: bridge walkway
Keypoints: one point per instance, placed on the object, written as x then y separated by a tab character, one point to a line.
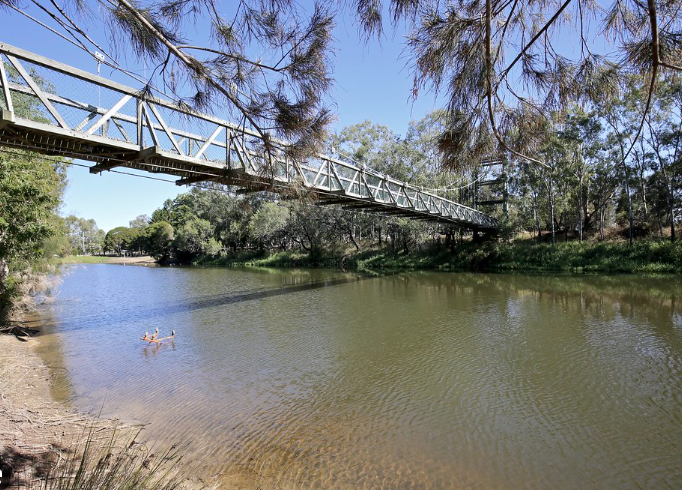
79	115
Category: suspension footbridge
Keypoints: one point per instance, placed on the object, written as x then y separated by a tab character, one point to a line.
76	114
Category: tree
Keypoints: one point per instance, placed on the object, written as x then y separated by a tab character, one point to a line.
31	187
268	224
120	239
141	222
663	135
195	237
276	92
159	239
30	192
499	64
84	236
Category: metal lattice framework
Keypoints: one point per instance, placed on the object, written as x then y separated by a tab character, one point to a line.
79	115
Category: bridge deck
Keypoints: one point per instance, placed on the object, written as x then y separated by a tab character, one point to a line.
56	109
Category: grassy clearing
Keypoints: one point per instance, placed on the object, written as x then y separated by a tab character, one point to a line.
83	259
614	257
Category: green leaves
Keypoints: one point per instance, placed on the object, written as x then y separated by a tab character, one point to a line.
30	193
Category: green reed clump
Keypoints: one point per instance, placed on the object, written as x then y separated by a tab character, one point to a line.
94	465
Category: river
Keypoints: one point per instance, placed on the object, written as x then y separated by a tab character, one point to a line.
320	379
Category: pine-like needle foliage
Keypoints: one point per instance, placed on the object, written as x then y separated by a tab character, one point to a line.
506	64
266	63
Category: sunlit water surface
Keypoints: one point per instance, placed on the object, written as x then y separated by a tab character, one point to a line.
316	379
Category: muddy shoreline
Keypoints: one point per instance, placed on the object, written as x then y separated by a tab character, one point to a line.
36	431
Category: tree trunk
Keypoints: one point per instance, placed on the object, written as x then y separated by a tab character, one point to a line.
551	209
352	239
671	203
4	272
535	215
602	212
642	183
627	189
580	211
671	200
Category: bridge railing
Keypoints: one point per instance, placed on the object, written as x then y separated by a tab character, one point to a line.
144	131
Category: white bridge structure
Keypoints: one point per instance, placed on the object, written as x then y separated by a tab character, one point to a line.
55	109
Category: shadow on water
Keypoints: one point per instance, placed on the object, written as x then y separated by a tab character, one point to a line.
644	292
212	301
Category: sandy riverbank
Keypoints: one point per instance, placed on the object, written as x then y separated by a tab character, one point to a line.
37	432
144	260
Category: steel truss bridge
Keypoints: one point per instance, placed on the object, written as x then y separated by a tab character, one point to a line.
79	115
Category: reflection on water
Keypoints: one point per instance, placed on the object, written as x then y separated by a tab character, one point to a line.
314	379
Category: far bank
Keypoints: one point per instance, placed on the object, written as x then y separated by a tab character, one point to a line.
644	257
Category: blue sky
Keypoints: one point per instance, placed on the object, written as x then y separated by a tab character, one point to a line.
372	82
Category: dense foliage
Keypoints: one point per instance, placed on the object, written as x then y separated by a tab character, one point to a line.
30	194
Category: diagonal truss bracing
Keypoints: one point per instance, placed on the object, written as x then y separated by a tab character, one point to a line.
76	114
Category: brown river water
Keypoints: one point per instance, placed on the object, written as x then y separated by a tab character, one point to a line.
318	379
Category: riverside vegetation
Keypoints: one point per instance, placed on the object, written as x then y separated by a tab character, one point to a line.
589	209
592	207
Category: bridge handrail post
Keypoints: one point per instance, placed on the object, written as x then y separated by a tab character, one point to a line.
140	133
228	144
5	87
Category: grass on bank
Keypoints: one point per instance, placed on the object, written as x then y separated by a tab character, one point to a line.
109	464
651	256
83	259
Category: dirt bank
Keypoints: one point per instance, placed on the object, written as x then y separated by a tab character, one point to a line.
35	431
145	260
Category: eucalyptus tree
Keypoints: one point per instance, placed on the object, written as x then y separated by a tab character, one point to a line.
603	187
160	235
268	225
83	234
621	134
373	146
141	221
195	237
527	187
663	135
555	156
580	136
308	227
